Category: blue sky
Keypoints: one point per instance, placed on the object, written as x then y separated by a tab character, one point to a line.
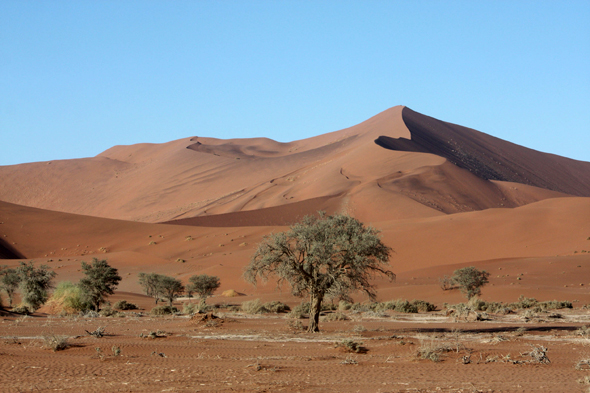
77	77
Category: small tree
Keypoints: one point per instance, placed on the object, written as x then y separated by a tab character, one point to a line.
470	280
34	284
169	288
203	285
321	256
100	281
9	281
150	284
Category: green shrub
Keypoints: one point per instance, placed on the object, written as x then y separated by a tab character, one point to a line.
163	310
71	298
124	305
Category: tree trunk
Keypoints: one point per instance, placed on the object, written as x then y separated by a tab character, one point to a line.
315	303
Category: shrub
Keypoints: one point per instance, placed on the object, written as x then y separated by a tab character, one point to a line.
343	305
252	307
433	351
276	307
55	342
403	306
124	305
190	308
21	309
350	346
335	316
424	306
257	307
163	310
69	298
108	311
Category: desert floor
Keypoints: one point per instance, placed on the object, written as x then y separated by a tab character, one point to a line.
245	353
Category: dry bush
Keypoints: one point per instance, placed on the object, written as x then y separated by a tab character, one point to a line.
520	331
163	310
98	333
335	316
295	325
433	351
124	305
55	342
253	307
583	364
350	346
538	353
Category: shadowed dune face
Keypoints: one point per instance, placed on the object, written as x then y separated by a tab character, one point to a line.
8	252
491	158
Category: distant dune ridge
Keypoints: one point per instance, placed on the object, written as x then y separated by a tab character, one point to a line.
443	196
459	169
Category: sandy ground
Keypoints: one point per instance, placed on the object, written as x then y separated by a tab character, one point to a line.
244	353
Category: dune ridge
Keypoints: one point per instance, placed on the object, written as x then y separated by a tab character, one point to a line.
410	164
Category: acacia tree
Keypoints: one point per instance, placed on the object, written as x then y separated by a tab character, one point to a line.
100	281
470	280
322	256
149	282
9	281
34	284
160	286
203	285
169	288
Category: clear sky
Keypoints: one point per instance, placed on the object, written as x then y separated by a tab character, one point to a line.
78	77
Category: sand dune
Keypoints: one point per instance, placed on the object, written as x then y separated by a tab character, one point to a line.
415	166
548	236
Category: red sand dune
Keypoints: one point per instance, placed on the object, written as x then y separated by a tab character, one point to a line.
443	196
407	164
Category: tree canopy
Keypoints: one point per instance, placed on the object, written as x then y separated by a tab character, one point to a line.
100	281
34	284
160	286
470	280
203	285
322	256
9	281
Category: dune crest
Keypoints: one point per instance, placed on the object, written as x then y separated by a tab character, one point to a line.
398	164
